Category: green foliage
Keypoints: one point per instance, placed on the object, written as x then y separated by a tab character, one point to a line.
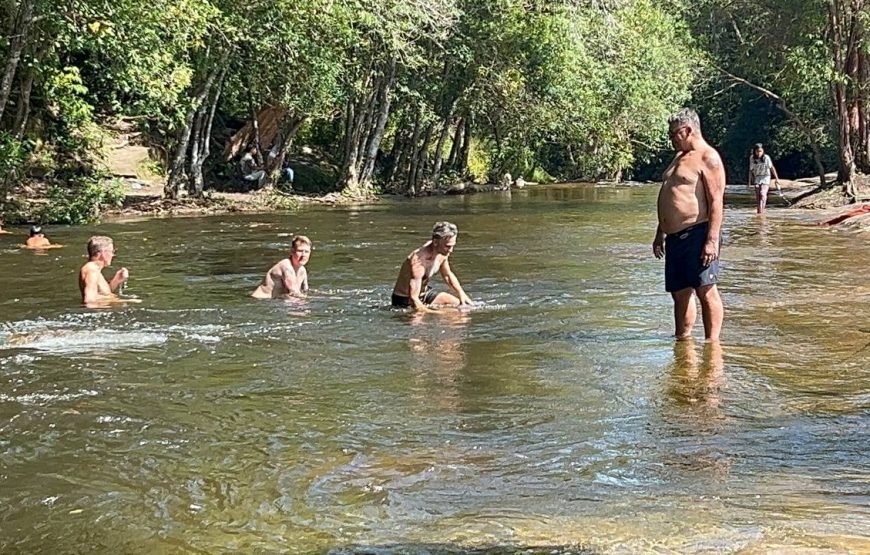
13	154
281	201
790	58
479	162
569	89
81	202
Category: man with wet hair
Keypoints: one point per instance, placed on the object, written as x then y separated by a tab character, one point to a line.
95	290
412	285
288	277
690	213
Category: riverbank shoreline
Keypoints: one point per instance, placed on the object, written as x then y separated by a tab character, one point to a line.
148	201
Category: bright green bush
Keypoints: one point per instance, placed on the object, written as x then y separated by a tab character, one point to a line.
81	202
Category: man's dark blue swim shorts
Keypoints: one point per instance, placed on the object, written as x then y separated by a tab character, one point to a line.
683	266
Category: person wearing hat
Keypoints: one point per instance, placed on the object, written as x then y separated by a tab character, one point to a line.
760	170
37	239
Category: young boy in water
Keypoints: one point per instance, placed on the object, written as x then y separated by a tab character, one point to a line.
96	291
288	277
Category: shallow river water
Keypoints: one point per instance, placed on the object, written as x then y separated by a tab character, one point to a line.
558	413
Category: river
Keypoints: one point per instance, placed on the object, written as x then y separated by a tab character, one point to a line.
557	414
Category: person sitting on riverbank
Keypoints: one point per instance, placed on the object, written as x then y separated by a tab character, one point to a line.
38	240
3	231
288	277
95	290
287	172
251	171
760	170
412	286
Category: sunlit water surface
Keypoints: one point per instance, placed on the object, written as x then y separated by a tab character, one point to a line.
557	413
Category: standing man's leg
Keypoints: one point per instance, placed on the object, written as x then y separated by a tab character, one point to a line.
685	312
712	311
764	189
758	209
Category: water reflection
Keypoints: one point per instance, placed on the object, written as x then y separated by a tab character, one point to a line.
697	381
438	355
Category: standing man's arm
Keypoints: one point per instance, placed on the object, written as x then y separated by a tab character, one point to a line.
749	178
713	177
659	242
304	286
453	282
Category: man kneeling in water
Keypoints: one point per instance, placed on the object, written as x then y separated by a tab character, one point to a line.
288	277
412	285
96	291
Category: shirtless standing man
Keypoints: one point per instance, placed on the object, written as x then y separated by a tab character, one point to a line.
412	285
96	291
288	277
690	211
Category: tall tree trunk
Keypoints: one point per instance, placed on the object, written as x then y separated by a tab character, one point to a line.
417	174
439	147
355	115
398	142
840	50
415	136
457	143
377	135
17	42
402	155
202	145
174	186
290	128
23	113
466	147
365	136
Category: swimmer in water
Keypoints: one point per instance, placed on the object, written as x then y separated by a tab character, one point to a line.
38	240
412	285
288	277
96	291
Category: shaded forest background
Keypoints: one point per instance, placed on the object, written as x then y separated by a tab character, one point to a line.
413	96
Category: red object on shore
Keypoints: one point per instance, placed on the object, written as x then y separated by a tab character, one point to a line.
865	209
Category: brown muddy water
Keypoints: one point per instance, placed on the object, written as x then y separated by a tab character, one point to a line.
557	414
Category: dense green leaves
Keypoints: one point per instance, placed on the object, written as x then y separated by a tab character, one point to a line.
411	94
